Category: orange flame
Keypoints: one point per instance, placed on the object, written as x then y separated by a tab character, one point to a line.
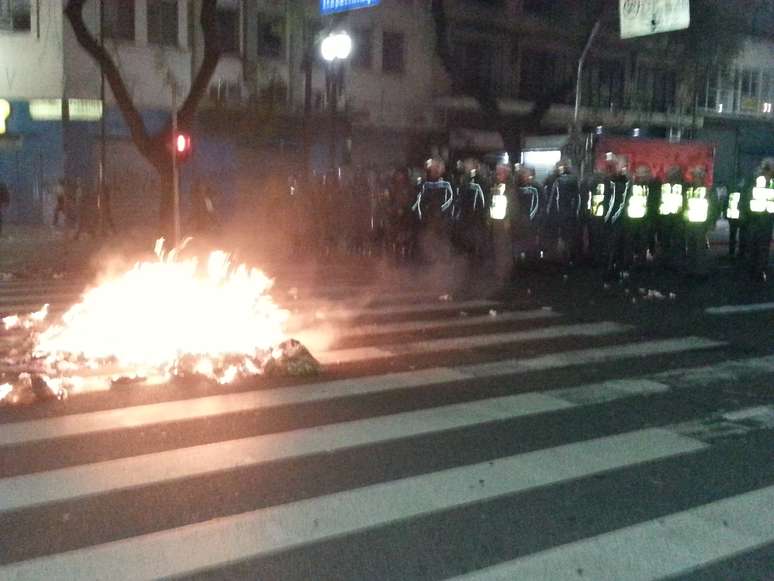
169	316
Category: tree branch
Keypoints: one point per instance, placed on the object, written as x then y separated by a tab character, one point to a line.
144	142
209	23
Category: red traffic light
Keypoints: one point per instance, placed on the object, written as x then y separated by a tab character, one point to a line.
182	144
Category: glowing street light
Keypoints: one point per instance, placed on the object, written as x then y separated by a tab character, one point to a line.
334	49
337	45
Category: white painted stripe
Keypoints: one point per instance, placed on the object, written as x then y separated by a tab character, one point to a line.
74	482
436	306
737	309
266	531
189	409
412	326
471	342
655	549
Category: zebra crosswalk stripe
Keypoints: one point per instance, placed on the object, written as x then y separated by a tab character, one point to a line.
655	549
265	531
735	524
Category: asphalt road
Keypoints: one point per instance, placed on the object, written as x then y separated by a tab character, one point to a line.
562	428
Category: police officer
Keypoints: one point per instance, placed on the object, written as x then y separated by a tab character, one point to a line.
761	220
737	230
670	221
697	213
433	207
500	195
562	210
469	210
524	216
636	218
619	186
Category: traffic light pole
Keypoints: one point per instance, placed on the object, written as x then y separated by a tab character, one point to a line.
175	173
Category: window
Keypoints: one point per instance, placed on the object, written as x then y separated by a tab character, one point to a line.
15	15
393	49
162	22
228	29
119	20
271	35
362	52
476	61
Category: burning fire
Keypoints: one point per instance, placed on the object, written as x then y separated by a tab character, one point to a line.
168	317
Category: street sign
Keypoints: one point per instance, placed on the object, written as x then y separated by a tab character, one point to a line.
644	17
334	6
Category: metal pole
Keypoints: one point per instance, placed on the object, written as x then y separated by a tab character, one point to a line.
334	112
581	62
102	153
175	175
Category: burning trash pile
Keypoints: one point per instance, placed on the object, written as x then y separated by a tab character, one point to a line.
164	319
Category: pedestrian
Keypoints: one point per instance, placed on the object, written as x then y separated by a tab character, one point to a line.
61	202
737	231
5	201
203	217
761	221
87	211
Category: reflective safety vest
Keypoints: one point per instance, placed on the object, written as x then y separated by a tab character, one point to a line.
637	205
499	207
671	199
732	212
762	200
597	202
697	210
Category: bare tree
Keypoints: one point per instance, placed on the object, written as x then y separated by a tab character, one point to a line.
486	95
156	147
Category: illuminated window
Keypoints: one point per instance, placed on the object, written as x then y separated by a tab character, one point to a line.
15	15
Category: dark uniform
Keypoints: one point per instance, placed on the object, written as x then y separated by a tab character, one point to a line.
637	218
614	222
525	212
697	215
761	221
469	214
433	207
737	231
670	220
562	211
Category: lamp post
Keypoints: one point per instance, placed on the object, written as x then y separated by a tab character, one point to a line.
335	47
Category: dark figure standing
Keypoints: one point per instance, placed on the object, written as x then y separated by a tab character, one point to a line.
562	211
761	221
470	212
525	217
5	201
614	220
433	207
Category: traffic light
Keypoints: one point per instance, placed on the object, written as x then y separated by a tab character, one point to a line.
181	146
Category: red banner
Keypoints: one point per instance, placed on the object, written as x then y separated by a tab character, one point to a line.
659	155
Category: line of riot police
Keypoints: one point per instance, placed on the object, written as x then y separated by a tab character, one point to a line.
615	219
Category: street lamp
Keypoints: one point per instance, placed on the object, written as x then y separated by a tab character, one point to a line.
335	48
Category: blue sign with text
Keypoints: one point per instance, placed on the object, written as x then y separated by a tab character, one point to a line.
334	6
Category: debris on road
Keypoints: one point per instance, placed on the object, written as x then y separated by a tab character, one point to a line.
445	298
